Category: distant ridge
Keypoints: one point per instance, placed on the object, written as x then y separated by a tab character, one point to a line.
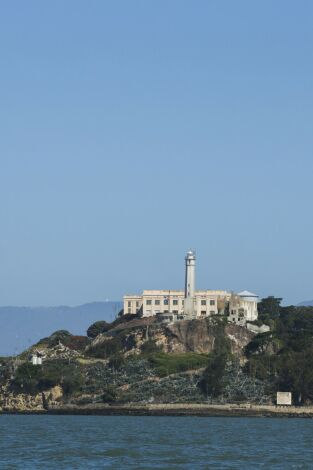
22	326
306	303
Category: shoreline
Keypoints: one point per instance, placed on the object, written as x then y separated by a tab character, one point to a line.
197	410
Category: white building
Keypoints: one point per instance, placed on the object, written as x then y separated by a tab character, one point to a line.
190	303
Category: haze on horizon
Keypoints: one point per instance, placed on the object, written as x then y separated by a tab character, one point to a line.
133	131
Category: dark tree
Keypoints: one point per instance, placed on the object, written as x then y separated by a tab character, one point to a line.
97	328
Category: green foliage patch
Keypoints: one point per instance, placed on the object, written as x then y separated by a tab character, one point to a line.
285	355
34	379
165	364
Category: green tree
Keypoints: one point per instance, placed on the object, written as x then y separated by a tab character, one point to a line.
269	308
97	328
212	382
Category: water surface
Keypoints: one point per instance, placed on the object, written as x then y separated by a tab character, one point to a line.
123	442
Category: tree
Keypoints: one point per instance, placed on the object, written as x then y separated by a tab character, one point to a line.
212	382
97	328
269	308
259	344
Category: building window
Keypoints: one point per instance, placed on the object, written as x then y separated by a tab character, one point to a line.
137	304
129	311
203	302
212	302
149	302
175	311
212	312
203	312
175	302
129	303
157	302
165	302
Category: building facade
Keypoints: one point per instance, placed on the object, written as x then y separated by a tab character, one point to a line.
154	302
173	305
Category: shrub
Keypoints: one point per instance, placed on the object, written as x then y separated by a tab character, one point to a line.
117	361
97	328
72	383
149	347
109	394
107	348
26	378
212	382
77	343
62	336
33	379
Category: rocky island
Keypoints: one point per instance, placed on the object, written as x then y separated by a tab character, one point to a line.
138	365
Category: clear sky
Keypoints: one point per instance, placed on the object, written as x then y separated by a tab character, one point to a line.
131	131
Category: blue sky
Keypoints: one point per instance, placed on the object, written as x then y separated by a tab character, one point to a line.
133	131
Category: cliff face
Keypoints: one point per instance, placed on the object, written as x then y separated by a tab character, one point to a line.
197	336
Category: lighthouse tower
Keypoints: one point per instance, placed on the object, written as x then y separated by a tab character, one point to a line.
190	282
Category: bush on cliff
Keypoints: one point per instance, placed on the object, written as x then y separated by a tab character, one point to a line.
34	379
149	347
212	382
109	394
97	328
60	336
106	348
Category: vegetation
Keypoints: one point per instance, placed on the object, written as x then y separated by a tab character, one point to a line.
150	347
284	356
165	364
107	348
109	394
97	328
213	379
33	379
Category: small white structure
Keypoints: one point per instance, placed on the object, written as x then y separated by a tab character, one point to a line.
284	398
243	307
36	358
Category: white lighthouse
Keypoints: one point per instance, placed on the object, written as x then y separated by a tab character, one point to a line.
190	282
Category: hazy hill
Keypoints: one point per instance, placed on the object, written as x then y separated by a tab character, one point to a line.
22	326
306	303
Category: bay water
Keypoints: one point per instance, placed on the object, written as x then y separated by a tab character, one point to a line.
129	442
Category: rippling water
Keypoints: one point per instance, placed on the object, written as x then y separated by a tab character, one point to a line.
75	442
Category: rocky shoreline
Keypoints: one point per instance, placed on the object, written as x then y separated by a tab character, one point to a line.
229	410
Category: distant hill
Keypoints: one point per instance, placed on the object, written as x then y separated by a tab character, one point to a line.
306	303
22	326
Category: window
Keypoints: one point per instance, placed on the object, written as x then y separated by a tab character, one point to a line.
212	312
212	302
149	302
175	311
129	303
137	304
203	312
203	302
175	302
129	311
157	302
165	302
